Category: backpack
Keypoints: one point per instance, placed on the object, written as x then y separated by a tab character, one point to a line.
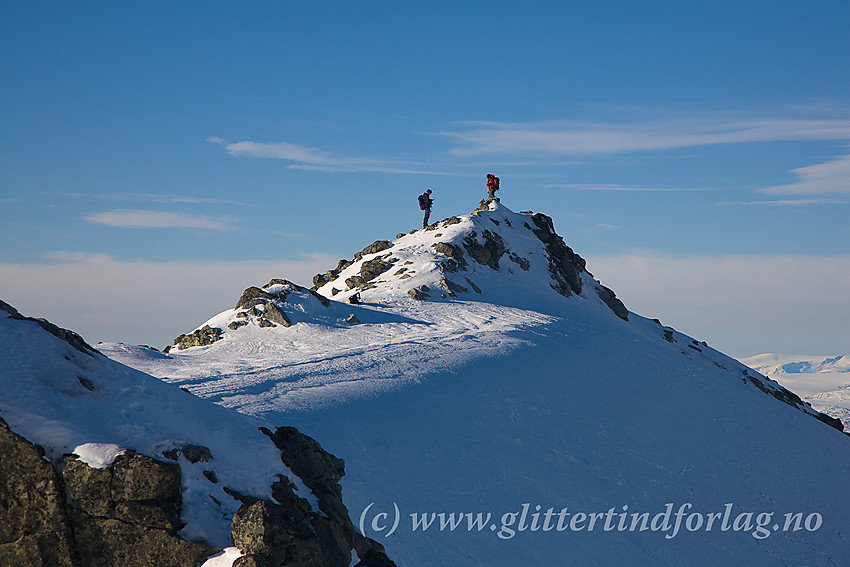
496	182
421	202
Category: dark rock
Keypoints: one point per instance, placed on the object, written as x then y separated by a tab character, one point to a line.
399	235
487	254
354	282
211	476
416	294
172	454
352	318
196	453
319	280
452	251
343	264
450	221
9	309
281	534
253	560
319	470
375	247
233	325
321	298
254	295
34	527
371	269
69	337
86	383
608	297
206	335
830	421
450	287
241	315
668	335
106	542
266	323
565	265
279	281
145	491
376	559
519	260
335	540
274	314
474	287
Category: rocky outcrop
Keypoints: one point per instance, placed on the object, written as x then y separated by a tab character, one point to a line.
374	248
608	297
453	252
276	315
204	336
371	269
255	296
487	254
34	526
275	535
288	532
124	515
565	265
417	294
128	513
69	337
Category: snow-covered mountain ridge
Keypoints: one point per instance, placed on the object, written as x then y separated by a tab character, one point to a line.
532	392
514	266
154	476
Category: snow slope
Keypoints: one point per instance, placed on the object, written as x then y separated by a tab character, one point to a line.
73	401
823	381
530	393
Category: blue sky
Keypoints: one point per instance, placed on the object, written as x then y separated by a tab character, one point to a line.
158	158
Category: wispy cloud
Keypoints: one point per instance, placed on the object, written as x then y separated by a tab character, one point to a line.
820	179
301	157
603	187
560	138
152	198
791	202
128	218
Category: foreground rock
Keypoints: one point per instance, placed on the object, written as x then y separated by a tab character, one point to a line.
125	515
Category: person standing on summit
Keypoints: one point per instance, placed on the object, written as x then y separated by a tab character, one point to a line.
492	187
425	202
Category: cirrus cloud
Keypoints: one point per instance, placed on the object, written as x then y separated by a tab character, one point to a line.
134	218
562	138
820	179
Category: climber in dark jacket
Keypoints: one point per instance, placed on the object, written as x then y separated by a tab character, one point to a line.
425	202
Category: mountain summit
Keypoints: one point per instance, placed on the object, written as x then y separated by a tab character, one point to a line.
477	367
